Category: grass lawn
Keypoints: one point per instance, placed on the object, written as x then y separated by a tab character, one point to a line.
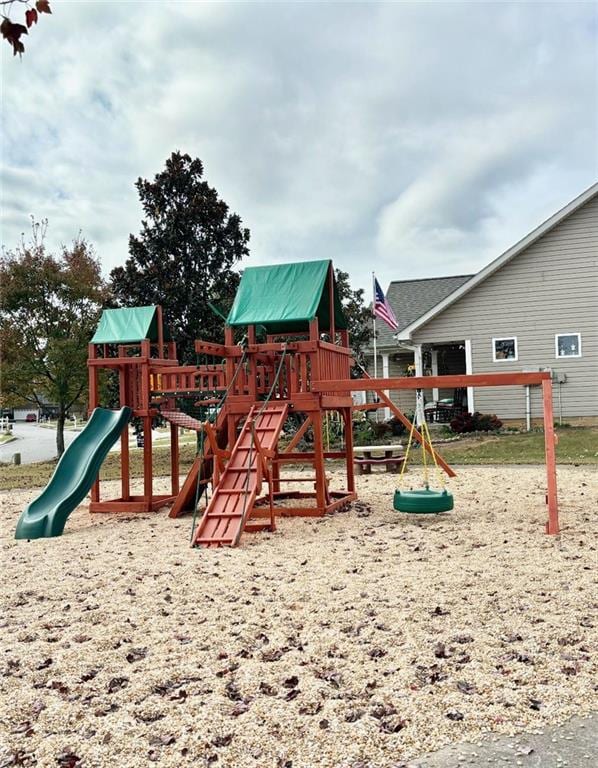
577	445
69	426
6	438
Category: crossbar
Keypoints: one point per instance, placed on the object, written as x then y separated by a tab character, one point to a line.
433	382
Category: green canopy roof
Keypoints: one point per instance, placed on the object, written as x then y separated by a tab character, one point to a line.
127	325
285	297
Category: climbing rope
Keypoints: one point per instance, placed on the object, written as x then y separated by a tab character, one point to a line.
420	419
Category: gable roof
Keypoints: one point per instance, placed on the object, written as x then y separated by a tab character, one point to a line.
412	298
127	326
285	297
406	332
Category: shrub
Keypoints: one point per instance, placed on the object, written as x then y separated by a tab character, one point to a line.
362	432
396	426
381	430
475	422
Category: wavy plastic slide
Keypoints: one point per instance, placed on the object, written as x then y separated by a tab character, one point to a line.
74	475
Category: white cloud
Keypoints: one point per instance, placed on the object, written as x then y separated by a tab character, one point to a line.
418	139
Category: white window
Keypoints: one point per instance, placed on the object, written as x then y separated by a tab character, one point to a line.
504	349
567	345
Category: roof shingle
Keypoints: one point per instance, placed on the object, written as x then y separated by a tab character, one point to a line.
411	299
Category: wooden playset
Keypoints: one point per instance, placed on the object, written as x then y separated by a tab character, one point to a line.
286	355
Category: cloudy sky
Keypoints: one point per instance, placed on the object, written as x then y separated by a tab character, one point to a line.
416	139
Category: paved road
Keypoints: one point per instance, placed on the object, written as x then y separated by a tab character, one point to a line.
572	745
35	443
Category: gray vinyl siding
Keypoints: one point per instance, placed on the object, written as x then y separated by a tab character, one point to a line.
397	363
549	288
403	398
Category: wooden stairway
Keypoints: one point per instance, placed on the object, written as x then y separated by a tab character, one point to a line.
229	510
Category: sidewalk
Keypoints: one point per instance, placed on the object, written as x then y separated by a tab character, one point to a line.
572	745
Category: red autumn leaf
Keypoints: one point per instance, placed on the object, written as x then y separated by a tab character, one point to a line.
43	6
31	17
12	32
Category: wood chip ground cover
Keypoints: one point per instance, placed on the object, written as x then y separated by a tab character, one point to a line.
360	640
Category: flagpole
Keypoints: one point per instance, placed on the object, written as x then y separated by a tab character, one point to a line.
375	346
373	305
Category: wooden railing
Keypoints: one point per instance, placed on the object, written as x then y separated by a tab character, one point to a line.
255	375
334	363
188	378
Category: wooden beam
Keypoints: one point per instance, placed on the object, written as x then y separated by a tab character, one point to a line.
160	321
552	526
429	382
174	459
348	420
331	318
298	435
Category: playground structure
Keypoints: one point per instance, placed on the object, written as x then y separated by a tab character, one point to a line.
238	404
252	389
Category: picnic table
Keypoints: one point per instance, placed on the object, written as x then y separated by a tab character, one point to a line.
367	456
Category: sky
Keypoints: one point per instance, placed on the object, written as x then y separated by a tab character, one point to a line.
413	139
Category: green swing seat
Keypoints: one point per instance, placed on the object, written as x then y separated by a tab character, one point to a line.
423	501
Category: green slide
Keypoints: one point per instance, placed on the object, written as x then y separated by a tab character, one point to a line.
74	475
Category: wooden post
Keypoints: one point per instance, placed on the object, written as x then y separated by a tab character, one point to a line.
314	330
348	418
160	332
174	459
93	403
552	526
147	428
229	365
252	368
124	438
148	490
332	318
319	462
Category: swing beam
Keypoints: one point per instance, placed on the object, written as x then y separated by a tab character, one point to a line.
542	378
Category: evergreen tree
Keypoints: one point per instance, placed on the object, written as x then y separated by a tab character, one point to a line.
358	314
184	255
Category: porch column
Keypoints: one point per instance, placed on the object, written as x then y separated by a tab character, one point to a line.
386	375
435	390
418	360
468	370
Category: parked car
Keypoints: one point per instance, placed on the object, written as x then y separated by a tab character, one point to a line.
31	417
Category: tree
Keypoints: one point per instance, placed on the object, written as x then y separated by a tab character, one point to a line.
13	31
184	256
48	311
358	315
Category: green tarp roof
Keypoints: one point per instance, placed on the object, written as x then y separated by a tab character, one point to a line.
127	325
285	297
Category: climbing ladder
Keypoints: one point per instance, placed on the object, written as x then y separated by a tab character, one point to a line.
230	508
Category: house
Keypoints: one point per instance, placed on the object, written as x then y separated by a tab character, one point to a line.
409	300
534	307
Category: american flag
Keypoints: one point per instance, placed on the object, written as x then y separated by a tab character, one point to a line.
382	308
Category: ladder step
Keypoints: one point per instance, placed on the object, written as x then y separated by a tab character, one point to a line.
213	541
